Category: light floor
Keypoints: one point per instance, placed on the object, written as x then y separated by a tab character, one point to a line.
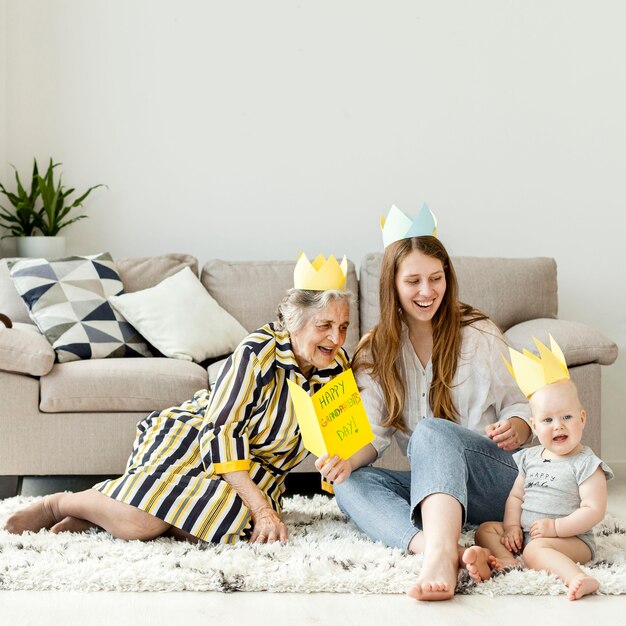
251	609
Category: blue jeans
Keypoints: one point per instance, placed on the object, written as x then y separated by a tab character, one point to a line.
444	458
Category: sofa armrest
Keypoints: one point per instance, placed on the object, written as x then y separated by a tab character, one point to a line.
580	343
23	350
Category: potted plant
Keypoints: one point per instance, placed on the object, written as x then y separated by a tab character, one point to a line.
21	221
36	216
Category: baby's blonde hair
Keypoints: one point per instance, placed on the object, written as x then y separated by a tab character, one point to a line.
565	385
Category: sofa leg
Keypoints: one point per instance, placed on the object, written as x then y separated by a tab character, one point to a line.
10	486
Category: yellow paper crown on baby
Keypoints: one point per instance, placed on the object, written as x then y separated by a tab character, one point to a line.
398	225
533	372
320	275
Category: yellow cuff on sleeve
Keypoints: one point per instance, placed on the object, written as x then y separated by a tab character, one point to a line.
231	466
327	486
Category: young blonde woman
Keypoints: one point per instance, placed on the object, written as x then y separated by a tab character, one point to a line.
431	373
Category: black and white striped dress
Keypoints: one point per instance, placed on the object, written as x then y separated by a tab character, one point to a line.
246	423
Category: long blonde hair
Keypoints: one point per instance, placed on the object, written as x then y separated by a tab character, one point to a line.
378	350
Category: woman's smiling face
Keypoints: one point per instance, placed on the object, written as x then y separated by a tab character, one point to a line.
421	286
317	342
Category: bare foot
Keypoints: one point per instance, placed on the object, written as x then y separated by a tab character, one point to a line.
581	586
437	579
478	562
72	525
34	518
502	562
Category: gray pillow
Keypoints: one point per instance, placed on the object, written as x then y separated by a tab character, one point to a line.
67	299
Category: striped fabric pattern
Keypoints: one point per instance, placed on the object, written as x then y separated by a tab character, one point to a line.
248	422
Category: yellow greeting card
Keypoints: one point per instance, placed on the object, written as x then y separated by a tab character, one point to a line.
333	420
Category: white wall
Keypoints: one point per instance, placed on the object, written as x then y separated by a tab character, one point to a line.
3	91
253	130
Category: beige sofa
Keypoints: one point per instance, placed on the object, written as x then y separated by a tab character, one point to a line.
79	417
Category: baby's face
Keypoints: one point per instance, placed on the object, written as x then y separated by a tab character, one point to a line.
558	418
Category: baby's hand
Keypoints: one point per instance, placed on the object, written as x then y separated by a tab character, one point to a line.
543	528
333	469
513	539
504	434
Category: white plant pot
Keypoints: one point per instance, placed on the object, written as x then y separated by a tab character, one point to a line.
37	247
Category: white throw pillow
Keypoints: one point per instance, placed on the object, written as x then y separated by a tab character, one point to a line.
180	319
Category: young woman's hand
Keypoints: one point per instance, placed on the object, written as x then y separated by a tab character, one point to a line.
334	469
513	539
509	434
543	528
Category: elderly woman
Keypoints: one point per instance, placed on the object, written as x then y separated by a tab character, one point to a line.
214	468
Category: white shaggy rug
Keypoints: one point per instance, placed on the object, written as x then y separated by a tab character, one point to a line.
324	553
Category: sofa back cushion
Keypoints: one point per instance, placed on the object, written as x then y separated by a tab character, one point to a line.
11	302
145	272
510	291
251	291
136	274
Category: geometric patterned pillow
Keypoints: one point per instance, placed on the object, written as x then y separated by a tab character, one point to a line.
67	299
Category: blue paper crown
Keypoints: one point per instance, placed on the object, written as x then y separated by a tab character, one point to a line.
398	225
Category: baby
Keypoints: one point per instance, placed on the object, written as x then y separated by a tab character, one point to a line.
560	493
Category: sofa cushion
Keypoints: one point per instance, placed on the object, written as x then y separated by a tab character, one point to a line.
510	291
24	350
252	290
120	385
180	319
145	272
214	369
67	299
580	343
11	302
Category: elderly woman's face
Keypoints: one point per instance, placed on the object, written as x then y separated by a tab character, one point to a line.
317	342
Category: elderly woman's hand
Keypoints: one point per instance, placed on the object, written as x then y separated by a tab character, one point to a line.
334	468
268	527
509	434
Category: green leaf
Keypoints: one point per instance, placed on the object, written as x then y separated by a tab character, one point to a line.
27	217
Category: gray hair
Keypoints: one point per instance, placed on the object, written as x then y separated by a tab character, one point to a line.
299	306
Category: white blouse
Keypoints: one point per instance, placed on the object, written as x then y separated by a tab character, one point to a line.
483	390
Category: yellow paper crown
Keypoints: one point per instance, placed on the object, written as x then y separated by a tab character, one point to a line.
320	275
533	372
398	225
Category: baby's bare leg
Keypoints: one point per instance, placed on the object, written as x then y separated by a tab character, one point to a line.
481	558
582	585
559	555
489	535
478	562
